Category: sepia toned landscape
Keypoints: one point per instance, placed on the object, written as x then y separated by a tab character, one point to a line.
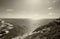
29	19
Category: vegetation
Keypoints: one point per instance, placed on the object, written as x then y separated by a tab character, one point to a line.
5	28
48	31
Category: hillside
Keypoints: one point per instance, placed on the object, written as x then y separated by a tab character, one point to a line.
48	31
22	26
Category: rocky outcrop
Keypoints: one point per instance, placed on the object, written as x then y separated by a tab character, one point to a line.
48	31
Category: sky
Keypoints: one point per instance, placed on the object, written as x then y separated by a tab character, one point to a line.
32	9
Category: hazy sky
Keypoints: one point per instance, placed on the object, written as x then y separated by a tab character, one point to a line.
34	9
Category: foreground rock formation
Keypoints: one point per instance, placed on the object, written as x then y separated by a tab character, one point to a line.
48	31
